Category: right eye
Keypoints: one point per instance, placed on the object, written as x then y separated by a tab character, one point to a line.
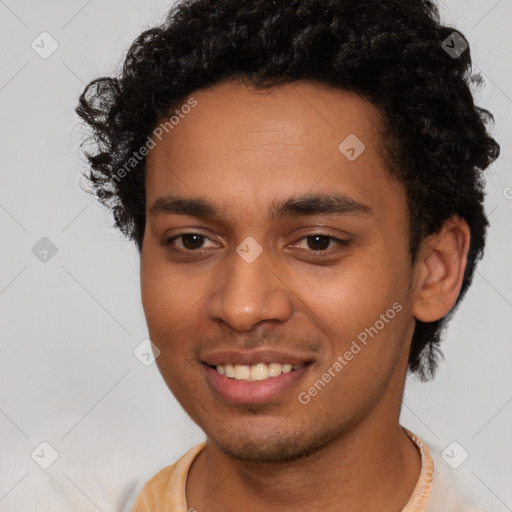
190	241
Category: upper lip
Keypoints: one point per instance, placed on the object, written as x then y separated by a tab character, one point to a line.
249	358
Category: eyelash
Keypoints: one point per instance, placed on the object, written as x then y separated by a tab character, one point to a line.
168	242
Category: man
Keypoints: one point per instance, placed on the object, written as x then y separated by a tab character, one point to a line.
303	180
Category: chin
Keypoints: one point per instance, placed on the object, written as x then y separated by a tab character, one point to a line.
274	449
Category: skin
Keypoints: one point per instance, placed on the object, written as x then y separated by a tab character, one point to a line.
244	149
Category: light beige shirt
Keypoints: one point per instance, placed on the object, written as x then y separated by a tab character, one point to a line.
165	491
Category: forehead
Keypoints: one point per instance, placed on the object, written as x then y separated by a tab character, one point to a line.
238	143
292	114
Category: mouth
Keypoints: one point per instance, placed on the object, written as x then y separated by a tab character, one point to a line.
253	384
255	372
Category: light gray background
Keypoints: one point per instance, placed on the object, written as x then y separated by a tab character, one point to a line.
69	326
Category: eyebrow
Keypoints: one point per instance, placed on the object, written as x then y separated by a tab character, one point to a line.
297	206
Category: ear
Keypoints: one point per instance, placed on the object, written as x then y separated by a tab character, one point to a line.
439	270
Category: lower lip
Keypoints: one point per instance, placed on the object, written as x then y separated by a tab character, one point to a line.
257	392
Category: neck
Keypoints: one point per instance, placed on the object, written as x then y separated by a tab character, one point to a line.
373	466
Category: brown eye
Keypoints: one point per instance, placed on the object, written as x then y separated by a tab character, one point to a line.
189	241
318	242
192	241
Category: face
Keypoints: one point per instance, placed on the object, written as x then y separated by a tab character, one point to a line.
269	247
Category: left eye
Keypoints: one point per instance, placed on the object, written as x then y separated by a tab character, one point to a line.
320	242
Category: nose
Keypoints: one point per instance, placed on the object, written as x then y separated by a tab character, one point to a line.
250	293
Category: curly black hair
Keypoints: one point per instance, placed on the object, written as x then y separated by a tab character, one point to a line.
394	53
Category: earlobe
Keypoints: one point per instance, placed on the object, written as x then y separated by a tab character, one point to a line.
439	269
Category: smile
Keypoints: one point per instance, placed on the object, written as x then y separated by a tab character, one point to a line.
253	384
256	372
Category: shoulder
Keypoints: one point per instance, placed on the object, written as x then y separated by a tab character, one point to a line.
444	486
165	491
452	489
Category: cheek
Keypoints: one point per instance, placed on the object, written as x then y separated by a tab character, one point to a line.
167	297
173	302
363	309
169	307
354	295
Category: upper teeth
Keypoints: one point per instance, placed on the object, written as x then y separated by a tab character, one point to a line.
259	371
